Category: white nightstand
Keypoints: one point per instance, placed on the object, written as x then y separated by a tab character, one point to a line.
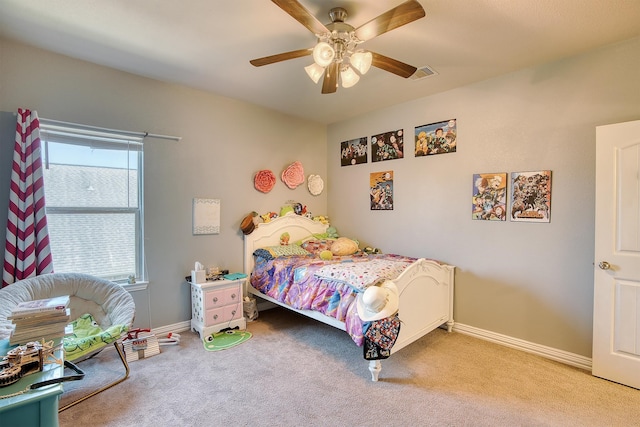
217	305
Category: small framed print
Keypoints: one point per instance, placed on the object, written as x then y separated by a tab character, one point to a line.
387	146
353	152
206	216
436	138
531	196
489	201
381	190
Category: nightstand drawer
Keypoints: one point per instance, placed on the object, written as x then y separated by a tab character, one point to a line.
223	314
222	297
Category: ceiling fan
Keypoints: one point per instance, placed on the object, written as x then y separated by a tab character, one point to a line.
336	54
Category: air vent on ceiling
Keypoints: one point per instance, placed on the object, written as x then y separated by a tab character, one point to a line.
423	72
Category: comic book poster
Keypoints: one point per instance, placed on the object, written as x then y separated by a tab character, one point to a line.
381	190
436	138
489	201
353	152
531	196
387	146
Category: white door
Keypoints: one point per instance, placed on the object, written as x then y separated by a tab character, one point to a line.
616	311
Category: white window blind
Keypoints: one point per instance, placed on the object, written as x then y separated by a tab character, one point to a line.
93	181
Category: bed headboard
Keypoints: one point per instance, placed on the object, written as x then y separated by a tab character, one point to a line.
268	234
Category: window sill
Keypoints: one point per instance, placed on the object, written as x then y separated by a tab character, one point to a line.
138	286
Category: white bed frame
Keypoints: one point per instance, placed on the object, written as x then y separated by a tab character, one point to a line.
426	287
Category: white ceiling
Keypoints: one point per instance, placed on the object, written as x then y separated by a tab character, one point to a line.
207	44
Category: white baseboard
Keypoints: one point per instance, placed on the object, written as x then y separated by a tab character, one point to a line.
540	350
176	327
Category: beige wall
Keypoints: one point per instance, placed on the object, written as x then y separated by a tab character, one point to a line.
224	142
528	281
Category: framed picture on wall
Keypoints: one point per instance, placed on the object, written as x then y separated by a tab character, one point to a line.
489	200
381	190
206	216
353	152
531	196
387	146
436	138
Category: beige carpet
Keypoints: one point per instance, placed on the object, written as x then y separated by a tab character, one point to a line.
295	371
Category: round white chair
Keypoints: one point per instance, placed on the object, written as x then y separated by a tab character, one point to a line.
109	304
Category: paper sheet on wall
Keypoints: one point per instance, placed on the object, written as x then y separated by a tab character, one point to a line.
206	216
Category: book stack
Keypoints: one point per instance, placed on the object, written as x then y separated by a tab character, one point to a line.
40	319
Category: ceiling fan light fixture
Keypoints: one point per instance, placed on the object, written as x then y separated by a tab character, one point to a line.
361	61
323	54
348	77
314	71
336	53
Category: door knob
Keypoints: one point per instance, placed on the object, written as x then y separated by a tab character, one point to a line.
604	265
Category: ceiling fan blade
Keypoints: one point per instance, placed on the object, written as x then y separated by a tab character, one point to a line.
407	12
259	62
302	15
392	65
330	82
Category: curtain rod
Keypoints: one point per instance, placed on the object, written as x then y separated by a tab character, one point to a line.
100	129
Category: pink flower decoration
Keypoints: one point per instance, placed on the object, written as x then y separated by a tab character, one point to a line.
293	175
264	180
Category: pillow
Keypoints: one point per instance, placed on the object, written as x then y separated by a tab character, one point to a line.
88	337
315	246
273	252
344	246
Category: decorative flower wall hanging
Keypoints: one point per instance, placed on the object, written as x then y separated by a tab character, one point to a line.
315	184
293	175
264	180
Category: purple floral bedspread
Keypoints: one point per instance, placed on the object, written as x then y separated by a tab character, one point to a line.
293	281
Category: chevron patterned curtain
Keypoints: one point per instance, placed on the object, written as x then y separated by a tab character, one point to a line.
27	252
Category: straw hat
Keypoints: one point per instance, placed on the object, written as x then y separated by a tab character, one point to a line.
247	225
378	301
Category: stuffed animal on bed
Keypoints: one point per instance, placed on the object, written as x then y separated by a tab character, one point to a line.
321	218
326	255
269	216
285	210
284	238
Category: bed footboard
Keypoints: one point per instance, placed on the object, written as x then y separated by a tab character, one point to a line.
426	300
426	303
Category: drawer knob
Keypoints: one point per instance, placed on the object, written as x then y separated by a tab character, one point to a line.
233	296
215	299
215	317
233	313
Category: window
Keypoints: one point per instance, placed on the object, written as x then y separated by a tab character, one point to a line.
93	191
